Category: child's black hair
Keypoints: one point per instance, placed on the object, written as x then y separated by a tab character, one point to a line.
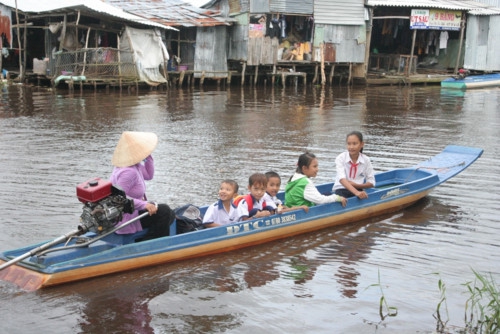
271	174
257	178
304	160
233	184
357	134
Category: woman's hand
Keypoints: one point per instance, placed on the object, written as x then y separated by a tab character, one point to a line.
152	208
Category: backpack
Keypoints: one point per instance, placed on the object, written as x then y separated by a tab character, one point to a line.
249	199
188	219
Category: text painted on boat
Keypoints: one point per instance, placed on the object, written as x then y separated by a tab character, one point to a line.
256	224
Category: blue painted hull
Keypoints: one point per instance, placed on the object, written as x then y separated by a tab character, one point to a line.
473	81
395	190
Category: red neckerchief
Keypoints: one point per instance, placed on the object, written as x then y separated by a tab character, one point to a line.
353	170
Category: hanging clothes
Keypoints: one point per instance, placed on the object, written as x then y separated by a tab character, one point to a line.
443	40
283	26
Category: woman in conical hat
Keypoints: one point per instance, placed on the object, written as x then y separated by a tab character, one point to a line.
134	165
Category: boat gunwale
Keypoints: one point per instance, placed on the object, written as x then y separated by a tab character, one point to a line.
216	234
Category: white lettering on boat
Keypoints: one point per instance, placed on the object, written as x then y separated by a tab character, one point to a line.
394	192
254	225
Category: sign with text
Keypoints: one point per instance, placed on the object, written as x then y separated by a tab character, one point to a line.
435	19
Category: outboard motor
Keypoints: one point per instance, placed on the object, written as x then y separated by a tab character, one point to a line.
104	205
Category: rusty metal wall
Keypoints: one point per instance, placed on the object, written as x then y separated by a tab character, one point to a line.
348	41
211	52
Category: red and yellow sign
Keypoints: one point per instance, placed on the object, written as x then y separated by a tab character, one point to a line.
436	19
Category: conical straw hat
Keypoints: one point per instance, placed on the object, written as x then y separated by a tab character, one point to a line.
133	147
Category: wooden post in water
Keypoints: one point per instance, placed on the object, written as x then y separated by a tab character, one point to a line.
332	71
315	79
323	78
243	73
462	25
411	52
202	79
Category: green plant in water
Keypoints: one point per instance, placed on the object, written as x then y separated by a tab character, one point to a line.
482	309
441	325
384	309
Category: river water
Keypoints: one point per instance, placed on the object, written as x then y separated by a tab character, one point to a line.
329	281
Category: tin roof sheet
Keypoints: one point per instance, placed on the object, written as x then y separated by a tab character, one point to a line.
97	6
172	12
473	7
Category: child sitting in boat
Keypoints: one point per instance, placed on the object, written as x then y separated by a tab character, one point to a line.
354	169
257	203
300	190
224	211
273	187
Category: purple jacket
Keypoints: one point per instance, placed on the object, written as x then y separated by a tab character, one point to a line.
132	180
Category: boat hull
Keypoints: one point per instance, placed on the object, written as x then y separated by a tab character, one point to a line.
395	190
473	81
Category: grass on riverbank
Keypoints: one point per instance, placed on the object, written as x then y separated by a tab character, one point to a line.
482	308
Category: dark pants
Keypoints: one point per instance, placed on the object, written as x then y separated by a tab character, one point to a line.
158	225
344	193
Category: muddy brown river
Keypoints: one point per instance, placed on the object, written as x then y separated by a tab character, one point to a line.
329	281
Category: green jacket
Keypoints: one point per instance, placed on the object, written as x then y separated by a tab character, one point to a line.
294	193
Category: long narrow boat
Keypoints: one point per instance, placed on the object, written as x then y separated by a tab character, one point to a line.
68	258
472	81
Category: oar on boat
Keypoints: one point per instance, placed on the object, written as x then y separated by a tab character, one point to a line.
64	238
40	248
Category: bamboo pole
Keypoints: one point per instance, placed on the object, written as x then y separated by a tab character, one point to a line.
119	63
21	67
462	28
411	52
25	41
85	53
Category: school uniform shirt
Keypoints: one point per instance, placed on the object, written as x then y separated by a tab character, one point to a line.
302	191
265	203
216	213
275	199
361	172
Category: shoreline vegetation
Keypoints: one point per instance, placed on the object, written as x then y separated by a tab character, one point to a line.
482	308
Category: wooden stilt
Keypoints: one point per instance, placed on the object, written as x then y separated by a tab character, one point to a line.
332	71
243	73
181	78
349	81
256	75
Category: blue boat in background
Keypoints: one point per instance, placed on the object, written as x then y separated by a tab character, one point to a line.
77	256
472	81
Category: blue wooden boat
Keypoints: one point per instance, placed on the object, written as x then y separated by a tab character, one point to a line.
70	258
472	81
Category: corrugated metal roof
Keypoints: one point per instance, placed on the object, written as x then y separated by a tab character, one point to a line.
97	6
473	7
172	12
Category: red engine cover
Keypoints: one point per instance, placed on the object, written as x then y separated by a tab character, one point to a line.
93	190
